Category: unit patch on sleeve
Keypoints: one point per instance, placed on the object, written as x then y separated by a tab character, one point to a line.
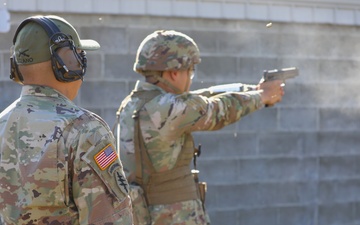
105	157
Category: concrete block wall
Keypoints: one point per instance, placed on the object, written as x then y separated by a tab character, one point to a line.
293	164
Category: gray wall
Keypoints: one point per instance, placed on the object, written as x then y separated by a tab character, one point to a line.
296	163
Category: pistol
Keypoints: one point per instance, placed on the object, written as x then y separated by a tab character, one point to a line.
280	74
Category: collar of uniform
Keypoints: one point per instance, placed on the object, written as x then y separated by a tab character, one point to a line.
40	91
146	86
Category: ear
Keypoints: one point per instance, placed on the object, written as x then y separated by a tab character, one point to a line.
174	75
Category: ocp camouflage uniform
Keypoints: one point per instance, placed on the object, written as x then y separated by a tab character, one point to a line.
167	121
50	172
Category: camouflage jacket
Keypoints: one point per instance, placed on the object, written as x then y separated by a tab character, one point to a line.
58	164
165	121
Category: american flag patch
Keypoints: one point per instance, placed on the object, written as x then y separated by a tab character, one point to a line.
105	157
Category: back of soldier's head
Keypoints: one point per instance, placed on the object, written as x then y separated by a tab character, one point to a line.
37	39
31	43
165	50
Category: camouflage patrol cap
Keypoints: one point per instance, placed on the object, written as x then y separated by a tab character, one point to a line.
166	50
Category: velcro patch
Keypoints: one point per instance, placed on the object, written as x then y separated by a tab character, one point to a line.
121	182
105	157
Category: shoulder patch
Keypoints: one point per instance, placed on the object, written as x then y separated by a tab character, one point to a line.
104	160
105	157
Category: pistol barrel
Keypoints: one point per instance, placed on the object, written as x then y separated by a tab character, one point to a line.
281	74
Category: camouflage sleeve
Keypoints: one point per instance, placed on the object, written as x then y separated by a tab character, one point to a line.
98	184
189	112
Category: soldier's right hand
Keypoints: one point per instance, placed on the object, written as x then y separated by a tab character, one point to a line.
271	91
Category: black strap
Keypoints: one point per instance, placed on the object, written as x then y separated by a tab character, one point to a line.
47	24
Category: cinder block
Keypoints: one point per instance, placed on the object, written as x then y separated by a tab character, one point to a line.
216	68
310	143
335	142
257	12
269	43
261	215
94	68
234	10
309	94
6	40
256	195
297	215
357	17
133	7
106	6
120	67
339	190
280	143
333	70
111	39
346	102
239	43
339	119
315	43
293	44
251	69
44	6
103	94
184	8
339	167
220	216
280	13
136	36
210	10
207	41
345	16
286	193
10	91
349	49
298	119
294	215
339	213
79	6
253	170
235	196
2	78
159	8
263	120
279	169
218	171
225	145
109	115
324	15
302	14
19	5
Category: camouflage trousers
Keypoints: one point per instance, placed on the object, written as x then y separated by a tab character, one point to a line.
182	213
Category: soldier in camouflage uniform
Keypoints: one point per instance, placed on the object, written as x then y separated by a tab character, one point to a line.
157	119
58	163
